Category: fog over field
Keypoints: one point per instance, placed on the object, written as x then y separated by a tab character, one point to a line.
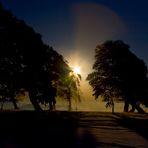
84	105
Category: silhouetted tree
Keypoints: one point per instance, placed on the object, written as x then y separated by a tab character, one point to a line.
119	73
26	62
68	87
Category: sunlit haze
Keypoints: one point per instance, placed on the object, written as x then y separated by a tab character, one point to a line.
75	27
76	70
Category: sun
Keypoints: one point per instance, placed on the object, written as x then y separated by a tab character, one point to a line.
76	70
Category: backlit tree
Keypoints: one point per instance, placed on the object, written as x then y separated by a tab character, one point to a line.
118	73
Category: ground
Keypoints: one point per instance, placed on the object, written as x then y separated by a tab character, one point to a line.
24	129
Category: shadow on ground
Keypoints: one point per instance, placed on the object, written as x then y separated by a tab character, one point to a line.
134	121
31	129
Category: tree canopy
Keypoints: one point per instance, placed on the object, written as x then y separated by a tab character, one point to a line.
68	87
26	62
119	73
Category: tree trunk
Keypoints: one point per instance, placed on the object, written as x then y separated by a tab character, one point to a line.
50	106
133	109
133	104
2	104
69	99
14	103
139	109
126	106
34	102
113	108
69	105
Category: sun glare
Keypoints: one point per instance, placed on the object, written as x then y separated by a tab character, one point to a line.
76	70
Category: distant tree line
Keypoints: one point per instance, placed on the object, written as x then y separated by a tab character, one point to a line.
119	74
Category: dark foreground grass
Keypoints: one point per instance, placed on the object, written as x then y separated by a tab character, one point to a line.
34	129
25	129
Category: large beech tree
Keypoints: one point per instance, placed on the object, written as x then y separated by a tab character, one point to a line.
26	62
119	73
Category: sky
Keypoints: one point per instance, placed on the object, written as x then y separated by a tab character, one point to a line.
75	27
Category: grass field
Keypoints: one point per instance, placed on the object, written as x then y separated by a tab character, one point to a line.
23	129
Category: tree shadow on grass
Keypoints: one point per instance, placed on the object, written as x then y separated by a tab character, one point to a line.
31	129
138	125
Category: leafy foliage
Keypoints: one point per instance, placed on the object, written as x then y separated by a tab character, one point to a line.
68	87
118	72
26	62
